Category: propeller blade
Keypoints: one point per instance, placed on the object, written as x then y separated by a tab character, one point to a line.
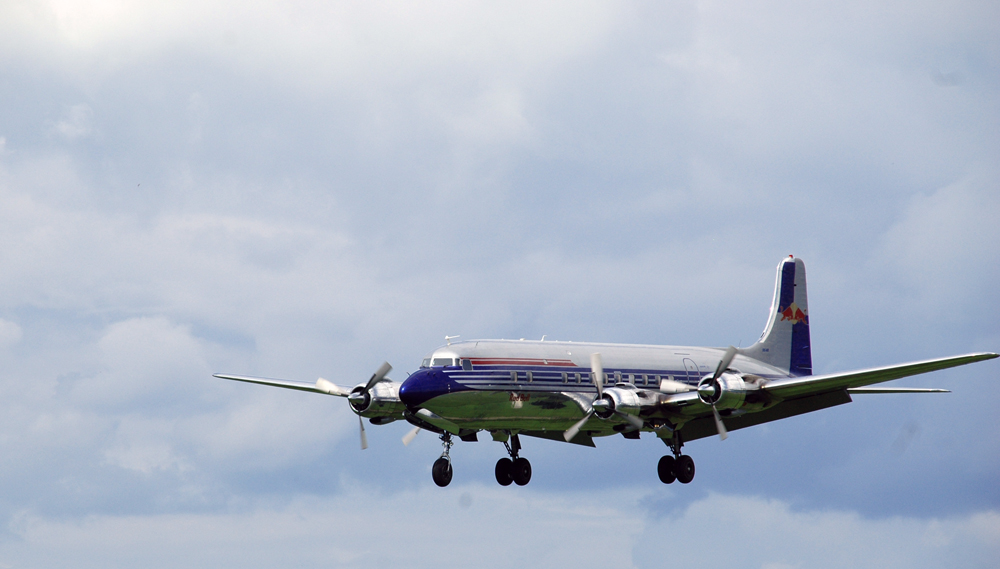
408	437
597	367
379	375
727	359
575	429
364	437
327	387
632	419
723	435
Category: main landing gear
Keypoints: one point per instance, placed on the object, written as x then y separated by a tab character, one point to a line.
514	469
679	467
441	471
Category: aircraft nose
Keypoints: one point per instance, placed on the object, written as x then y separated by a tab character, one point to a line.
419	387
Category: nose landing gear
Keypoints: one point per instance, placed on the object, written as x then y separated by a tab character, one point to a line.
441	472
679	467
514	469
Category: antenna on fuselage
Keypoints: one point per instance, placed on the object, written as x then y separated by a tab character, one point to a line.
450	338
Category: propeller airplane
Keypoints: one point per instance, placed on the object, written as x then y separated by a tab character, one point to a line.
573	392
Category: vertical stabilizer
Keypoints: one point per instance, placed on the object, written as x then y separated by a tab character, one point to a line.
785	341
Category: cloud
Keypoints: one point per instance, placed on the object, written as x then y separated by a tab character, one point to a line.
307	189
10	333
939	248
769	533
458	526
77	122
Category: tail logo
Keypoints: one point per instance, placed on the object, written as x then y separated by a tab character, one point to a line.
793	314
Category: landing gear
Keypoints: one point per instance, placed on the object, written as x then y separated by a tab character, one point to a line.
665	470
505	471
514	469
441	472
522	471
679	467
684	469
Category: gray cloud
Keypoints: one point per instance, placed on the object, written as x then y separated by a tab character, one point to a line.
540	529
304	190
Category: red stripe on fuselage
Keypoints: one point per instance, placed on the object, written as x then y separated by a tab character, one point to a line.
521	362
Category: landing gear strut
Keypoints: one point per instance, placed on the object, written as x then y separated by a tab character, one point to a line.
514	469
441	471
679	467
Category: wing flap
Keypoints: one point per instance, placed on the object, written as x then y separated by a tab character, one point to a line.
810	384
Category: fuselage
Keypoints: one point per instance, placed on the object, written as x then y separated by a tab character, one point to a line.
546	385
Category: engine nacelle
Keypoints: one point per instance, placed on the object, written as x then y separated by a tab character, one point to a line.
729	391
382	400
617	399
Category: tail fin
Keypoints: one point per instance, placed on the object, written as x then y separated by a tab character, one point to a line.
785	341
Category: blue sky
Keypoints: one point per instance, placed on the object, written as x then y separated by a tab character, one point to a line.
303	189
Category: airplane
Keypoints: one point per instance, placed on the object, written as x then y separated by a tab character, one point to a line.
574	392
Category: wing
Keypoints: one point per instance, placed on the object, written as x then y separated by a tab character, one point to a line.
814	384
321	385
811	393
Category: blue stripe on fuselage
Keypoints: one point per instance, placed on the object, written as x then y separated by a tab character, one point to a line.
429	383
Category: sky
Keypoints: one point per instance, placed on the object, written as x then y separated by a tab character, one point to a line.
307	189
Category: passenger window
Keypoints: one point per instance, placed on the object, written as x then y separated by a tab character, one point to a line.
565	377
578	378
531	377
513	376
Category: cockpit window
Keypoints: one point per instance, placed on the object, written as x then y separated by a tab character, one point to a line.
442	362
426	363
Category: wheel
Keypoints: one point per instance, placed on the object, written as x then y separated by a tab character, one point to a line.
684	469
522	471
505	471
665	469
441	472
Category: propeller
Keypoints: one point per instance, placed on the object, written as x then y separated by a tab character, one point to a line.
599	403
707	389
597	374
408	437
597	367
379	375
357	397
364	437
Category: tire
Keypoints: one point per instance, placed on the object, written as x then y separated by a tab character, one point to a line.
522	471
684	469
505	471
665	470
441	472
